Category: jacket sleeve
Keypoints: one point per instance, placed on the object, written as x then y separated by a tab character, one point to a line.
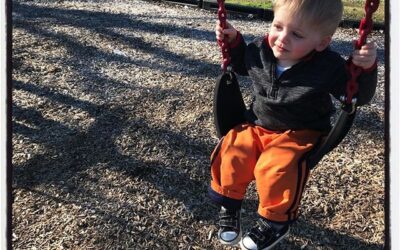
367	82
237	53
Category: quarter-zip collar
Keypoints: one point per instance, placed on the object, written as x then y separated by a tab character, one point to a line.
306	58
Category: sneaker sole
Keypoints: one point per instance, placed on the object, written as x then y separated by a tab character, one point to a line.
269	247
233	242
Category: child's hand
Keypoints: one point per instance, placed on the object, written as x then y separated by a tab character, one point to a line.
366	56
230	32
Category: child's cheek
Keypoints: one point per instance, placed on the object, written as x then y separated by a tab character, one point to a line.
270	40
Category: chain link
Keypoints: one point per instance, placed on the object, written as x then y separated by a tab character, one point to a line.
226	60
365	29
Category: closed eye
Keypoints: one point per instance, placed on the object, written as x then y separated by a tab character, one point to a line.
277	27
298	35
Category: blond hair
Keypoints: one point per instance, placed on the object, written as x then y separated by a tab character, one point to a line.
325	15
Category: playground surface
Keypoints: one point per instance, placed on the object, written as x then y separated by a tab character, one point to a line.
113	130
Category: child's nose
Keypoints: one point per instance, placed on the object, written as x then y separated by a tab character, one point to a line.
283	37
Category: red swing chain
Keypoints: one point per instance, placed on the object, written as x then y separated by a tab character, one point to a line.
226	60
365	28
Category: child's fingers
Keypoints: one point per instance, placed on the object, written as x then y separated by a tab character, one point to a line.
361	60
227	25
219	35
229	32
218	32
368	48
364	60
365	52
368	45
366	55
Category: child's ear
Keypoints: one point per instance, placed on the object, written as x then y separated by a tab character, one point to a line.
324	43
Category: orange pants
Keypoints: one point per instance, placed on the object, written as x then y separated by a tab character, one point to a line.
275	160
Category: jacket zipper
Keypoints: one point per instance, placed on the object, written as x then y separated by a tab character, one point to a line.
275	83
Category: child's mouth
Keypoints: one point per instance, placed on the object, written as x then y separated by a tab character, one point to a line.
281	48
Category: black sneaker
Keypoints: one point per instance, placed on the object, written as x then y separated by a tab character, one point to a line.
262	236
230	231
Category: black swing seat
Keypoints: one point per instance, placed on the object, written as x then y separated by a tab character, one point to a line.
228	106
229	110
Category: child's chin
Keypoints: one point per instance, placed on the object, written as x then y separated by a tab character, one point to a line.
279	53
279	56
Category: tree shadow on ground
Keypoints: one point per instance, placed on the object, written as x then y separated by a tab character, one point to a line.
74	155
70	151
104	24
71	156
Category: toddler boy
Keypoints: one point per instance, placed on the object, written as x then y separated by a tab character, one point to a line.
293	72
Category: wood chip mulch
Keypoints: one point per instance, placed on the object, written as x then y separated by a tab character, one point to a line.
113	130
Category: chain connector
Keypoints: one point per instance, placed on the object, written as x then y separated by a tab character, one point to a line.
348	106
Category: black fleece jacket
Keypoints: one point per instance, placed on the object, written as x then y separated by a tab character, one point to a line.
301	97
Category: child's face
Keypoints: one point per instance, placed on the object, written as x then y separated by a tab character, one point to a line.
291	38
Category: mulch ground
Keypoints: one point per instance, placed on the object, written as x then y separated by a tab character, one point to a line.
113	129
